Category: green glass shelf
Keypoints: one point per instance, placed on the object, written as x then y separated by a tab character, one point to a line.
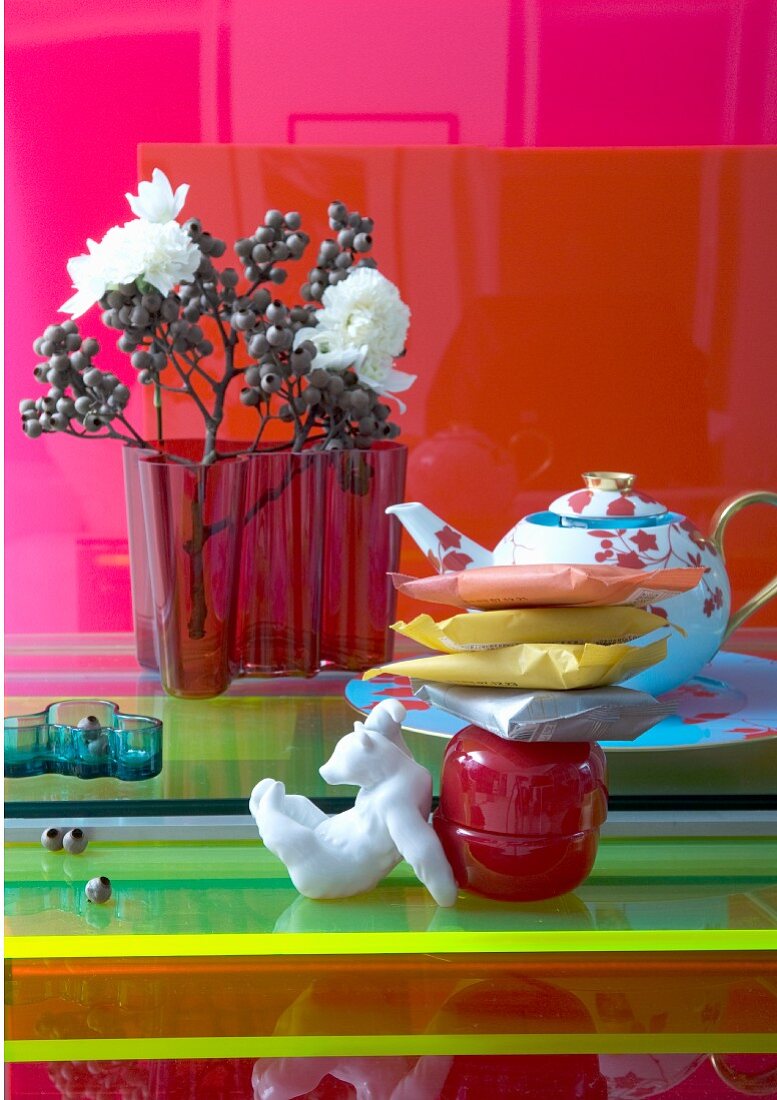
214	753
207	950
216	750
234	898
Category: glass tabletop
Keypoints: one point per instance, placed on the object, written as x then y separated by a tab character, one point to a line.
214	751
208	951
203	899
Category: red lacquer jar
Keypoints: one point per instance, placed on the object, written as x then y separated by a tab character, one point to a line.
520	820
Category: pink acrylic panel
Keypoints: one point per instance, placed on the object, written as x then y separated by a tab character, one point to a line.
87	82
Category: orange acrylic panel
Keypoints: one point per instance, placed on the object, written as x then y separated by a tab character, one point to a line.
431	995
572	309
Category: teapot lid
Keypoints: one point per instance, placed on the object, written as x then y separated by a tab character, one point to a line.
607	495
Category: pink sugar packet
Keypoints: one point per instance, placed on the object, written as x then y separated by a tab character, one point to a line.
549	586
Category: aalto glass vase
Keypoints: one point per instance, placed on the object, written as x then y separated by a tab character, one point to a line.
361	549
277	620
140	577
193	519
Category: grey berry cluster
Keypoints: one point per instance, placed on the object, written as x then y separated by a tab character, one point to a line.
209	246
170	341
81	399
350	414
279	238
337	255
154	327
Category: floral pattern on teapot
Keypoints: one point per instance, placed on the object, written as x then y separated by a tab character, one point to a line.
448	556
641	551
609	522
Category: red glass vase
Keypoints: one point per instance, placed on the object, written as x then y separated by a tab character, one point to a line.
192	517
277	614
520	820
361	549
140	577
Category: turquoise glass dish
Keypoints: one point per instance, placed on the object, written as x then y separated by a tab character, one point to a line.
121	746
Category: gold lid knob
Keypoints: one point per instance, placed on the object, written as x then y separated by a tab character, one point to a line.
609	480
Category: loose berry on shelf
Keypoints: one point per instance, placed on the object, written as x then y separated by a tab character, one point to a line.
51	839
75	842
98	890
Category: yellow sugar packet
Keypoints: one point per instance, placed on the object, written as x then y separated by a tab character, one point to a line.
565	625
532	667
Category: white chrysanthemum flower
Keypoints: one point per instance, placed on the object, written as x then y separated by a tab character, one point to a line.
155	201
89	280
363	325
154	248
162	254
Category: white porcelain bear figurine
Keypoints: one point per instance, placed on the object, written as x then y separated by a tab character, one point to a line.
349	853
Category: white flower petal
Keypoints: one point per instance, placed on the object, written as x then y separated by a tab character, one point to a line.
161	280
79	267
341	359
79	303
155	201
135	204
180	198
303	334
397	381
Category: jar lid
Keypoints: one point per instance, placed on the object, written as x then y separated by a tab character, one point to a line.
607	495
520	788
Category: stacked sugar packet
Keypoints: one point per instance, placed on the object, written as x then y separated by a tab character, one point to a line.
538	659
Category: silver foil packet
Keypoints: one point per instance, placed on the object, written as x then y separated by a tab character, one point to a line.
595	714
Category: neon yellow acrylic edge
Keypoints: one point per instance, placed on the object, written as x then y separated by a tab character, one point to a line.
281	1046
383	943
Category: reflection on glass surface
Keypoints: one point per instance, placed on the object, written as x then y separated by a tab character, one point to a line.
243	955
215	751
429	1077
716	887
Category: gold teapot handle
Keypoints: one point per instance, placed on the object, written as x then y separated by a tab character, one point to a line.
751	1084
719	523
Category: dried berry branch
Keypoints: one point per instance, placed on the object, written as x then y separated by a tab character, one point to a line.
326	408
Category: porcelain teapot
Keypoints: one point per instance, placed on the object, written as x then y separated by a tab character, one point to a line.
612	522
